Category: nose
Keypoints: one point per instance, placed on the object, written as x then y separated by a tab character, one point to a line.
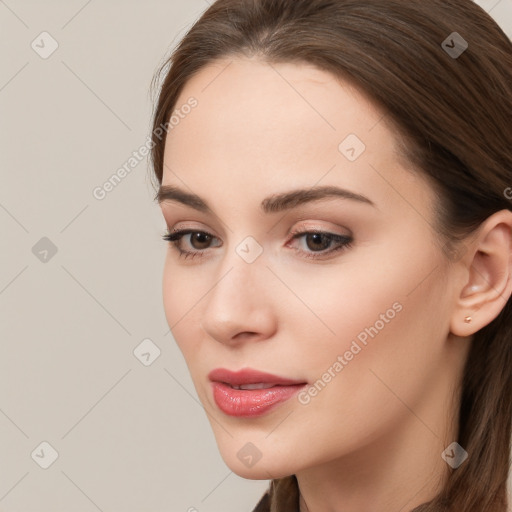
239	307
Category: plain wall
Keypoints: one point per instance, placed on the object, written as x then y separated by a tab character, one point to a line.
80	276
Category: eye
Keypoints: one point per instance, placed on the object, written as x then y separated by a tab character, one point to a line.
199	240
318	244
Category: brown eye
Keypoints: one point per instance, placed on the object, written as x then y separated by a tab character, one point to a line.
318	241
200	240
189	242
321	244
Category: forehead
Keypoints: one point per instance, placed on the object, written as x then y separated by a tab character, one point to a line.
250	86
248	102
268	124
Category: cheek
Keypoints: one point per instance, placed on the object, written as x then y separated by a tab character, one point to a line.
372	289
388	336
181	301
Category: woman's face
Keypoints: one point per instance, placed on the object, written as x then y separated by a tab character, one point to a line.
362	319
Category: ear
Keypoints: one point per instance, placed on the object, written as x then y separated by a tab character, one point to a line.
487	284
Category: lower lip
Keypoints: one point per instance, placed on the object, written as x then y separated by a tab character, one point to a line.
251	402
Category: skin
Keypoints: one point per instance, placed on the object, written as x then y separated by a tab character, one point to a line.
372	438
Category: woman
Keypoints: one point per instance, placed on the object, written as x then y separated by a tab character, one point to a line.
335	178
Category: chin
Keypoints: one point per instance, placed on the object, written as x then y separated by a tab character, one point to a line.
263	469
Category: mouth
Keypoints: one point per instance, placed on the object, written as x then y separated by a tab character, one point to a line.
258	385
248	378
250	393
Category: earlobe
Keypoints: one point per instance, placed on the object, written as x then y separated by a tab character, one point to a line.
488	282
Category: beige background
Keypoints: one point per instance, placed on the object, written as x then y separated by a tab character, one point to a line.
129	437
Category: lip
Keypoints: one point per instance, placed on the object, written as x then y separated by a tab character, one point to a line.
249	376
250	402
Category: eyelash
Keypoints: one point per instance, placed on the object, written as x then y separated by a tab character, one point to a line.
345	242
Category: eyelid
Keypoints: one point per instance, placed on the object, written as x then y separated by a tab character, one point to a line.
301	227
341	242
304	226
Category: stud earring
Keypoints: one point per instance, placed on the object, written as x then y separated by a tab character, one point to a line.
468	319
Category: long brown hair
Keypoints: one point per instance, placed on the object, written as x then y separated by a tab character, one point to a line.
451	106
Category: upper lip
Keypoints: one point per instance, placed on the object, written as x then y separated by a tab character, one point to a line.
249	376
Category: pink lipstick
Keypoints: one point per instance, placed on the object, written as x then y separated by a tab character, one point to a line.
249	393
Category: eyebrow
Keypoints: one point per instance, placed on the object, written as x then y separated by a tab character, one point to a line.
272	204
